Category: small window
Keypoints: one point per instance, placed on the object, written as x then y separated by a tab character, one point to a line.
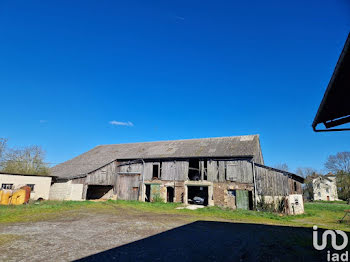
327	190
295	186
319	194
6	186
31	187
318	186
155	171
296	201
231	192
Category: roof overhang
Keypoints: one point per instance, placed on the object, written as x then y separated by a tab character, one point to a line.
334	109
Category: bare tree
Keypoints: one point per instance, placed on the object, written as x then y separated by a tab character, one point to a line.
27	160
309	174
339	162
282	166
305	171
3	146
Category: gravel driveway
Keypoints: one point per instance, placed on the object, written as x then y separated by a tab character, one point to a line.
124	234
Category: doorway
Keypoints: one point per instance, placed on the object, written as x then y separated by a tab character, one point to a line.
244	199
148	193
169	194
197	195
98	192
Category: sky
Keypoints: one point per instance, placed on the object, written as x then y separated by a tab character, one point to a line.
77	74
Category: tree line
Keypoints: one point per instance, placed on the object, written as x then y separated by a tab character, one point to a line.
24	160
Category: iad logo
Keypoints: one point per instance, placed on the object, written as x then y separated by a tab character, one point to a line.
333	235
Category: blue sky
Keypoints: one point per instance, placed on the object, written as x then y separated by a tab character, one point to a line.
174	69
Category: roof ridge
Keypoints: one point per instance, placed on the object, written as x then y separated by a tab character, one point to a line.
178	140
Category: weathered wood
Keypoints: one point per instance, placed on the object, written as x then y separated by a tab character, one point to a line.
212	171
239	171
128	187
222	171
270	182
168	170
181	170
105	176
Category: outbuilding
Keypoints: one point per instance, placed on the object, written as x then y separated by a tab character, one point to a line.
224	171
39	184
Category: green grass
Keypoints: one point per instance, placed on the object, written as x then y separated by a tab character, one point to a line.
324	215
42	211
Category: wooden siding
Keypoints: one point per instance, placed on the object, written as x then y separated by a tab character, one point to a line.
291	186
239	171
148	170
168	170
213	171
105	176
222	171
131	168
270	182
181	170
128	187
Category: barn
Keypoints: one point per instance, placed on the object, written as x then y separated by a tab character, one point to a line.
223	171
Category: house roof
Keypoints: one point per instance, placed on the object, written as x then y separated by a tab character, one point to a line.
334	109
230	147
18	174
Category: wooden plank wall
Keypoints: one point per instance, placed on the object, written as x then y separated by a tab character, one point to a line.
239	171
128	187
105	176
270	182
168	170
135	167
181	170
213	171
222	171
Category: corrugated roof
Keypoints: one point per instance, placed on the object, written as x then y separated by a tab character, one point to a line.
236	146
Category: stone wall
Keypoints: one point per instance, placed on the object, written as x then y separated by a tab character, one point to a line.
222	195
66	191
325	188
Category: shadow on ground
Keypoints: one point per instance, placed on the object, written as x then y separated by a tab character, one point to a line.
219	241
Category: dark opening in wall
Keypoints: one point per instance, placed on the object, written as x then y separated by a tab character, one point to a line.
97	192
205	176
251	202
170	194
295	187
197	195
148	193
193	170
155	171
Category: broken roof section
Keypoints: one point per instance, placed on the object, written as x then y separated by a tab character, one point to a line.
229	147
334	109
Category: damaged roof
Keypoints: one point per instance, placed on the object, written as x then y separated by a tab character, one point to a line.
231	147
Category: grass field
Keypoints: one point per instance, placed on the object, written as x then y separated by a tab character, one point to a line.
322	214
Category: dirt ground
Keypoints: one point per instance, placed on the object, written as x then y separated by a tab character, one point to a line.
125	234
